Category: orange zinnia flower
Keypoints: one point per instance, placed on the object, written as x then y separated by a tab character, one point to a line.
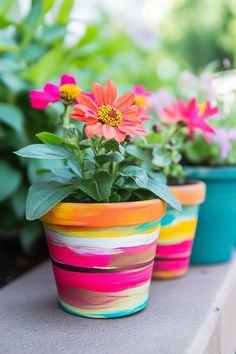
107	115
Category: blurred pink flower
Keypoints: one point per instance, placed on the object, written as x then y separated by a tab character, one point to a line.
191	85
109	116
67	91
143	100
191	114
161	99
223	138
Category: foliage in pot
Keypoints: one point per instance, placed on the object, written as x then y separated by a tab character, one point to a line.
100	211
215	165
178	122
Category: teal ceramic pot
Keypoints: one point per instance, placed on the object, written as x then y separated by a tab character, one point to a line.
216	231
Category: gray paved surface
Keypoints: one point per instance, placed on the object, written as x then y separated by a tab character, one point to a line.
194	315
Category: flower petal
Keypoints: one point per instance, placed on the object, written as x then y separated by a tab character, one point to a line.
86	101
124	101
39	99
97	91
53	91
108	131
109	92
67	79
120	136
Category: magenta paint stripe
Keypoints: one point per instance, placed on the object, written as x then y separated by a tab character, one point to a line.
175	264
110	282
84	257
172	250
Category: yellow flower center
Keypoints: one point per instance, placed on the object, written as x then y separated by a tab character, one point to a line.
140	101
202	109
69	92
109	115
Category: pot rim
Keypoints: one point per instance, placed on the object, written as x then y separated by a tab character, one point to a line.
105	214
193	193
212	172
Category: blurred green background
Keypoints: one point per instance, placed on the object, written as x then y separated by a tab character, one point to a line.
144	42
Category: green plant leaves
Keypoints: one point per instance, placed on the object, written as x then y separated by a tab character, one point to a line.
162	191
45	151
97	187
49	138
43	196
138	174
10	179
113	157
11	116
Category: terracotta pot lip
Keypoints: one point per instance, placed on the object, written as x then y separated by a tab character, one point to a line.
105	214
190	194
211	172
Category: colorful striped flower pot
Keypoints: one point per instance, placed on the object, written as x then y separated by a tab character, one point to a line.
215	236
103	254
174	245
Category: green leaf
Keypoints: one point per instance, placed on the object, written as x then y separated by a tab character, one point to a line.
10	179
113	157
43	196
63	172
5	6
12	116
111	145
137	174
47	66
75	167
64	13
135	152
32	21
162	191
29	234
18	202
97	187
44	151
49	138
114	198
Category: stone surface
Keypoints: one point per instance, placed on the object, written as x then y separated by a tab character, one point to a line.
193	315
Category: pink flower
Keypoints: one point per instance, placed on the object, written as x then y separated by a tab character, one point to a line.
107	115
191	114
224	138
143	100
67	91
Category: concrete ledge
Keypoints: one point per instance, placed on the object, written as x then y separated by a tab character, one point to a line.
193	315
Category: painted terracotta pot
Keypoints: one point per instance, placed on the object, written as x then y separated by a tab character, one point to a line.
216	230
174	244
102	255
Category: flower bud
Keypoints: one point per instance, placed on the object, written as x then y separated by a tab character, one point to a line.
157	128
129	139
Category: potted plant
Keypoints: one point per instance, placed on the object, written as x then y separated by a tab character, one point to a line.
214	163
101	213
179	121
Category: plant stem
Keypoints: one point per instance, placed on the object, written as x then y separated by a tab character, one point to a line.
65	117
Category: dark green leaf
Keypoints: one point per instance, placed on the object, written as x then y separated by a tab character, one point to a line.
29	234
43	196
10	179
45	151
32	21
162	191
138	174
113	157
111	145
12	116
49	138
97	187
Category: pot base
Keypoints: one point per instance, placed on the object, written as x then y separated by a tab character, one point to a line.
165	275
78	312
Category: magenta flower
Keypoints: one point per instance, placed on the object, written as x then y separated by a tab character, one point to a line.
224	138
67	91
191	114
143	100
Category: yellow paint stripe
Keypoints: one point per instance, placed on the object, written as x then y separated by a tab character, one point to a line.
98	233
184	230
